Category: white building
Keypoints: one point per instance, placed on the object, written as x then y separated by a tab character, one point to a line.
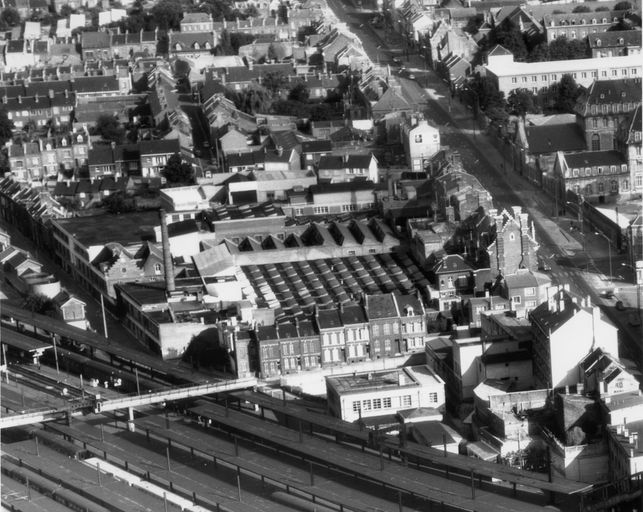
534	76
369	394
421	142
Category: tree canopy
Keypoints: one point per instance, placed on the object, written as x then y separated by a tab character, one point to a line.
40	304
110	129
167	14
118	203
623	6
581	8
522	101
6	125
9	17
178	171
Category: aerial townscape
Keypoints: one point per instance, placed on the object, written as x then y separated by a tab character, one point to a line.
321	255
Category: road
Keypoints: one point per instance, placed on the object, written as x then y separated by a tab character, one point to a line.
583	264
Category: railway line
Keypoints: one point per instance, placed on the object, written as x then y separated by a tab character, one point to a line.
329	451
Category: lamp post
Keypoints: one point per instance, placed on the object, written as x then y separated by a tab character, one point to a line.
609	250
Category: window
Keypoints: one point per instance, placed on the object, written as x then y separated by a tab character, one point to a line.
625	185
356	406
544	78
600	171
554	76
604	74
524	79
377	403
589	190
530	292
157	269
321	209
598	42
613	169
596	142
516	299
366	404
594	123
583	74
534	78
433	398
418	138
514	80
624	72
614	72
386	402
406	401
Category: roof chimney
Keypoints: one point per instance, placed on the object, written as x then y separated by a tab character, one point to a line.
167	255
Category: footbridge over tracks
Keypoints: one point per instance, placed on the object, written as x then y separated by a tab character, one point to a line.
172	394
99	405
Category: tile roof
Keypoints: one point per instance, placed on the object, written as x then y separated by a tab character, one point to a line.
452	263
94	40
316	146
89	84
611	91
328	319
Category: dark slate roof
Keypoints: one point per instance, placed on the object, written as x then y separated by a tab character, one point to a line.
306	328
182	227
87	84
594	158
330	188
615	38
287	331
552	320
159	147
91	40
558	137
328	319
352	314
614	91
100	155
340	162
316	146
381	306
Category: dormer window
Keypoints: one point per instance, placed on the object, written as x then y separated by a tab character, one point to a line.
63	142
604	20
598	42
594	21
621	40
48	146
408	310
79	139
583	22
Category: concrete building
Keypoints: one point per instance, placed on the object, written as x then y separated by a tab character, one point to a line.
421	142
355	396
509	75
562	318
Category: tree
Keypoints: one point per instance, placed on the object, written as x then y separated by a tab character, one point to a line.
508	35
251	12
118	203
581	8
567	92
178	171
623	6
108	127
602	8
299	92
282	13
274	82
6	127
40	304
254	100
10	17
521	102
167	14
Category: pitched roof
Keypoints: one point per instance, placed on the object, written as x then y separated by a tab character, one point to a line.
452	263
499	50
552	138
328	319
615	38
556	317
594	158
381	306
316	146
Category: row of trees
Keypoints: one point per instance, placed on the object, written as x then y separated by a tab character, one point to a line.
276	95
559	98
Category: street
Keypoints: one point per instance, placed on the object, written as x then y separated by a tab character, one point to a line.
583	264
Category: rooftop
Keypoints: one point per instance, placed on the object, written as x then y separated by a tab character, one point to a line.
371	381
501	69
126	228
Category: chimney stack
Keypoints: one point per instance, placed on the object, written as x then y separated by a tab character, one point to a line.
167	255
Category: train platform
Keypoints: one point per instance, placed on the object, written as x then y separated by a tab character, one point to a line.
363	466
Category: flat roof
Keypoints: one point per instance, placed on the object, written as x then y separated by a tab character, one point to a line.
371	381
125	228
563	66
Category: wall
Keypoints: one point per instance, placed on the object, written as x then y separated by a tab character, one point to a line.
175	337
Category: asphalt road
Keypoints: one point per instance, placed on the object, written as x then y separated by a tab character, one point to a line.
571	262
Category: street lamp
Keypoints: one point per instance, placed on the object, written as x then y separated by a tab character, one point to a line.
609	249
